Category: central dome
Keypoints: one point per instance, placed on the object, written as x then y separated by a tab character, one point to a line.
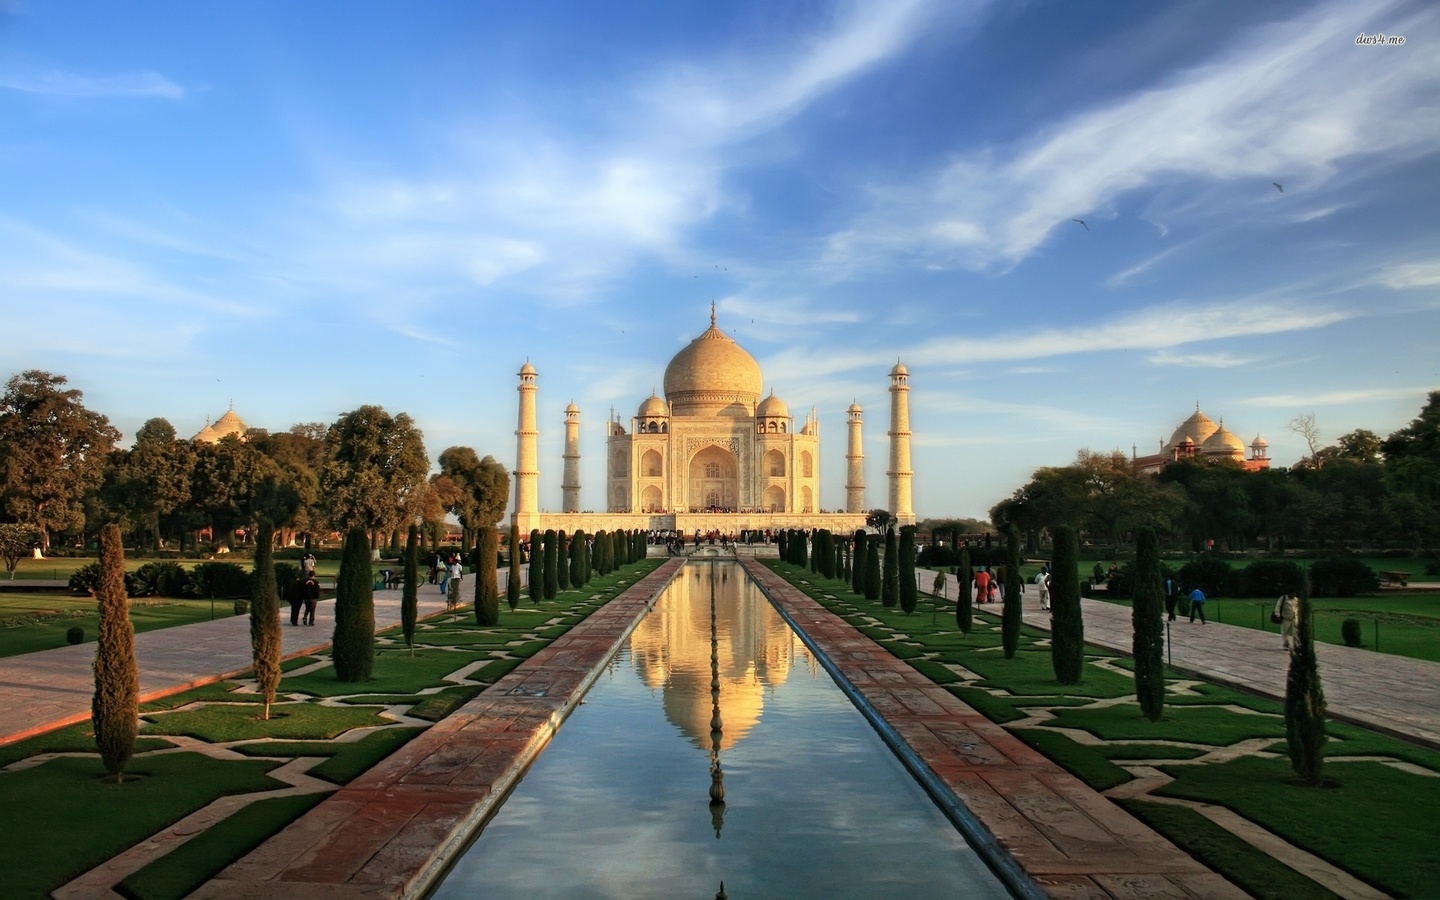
713	375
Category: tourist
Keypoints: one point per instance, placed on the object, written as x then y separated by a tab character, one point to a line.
1172	597
995	595
1197	606
307	566
1287	613
1042	582
295	593
445	573
311	592
982	585
455	573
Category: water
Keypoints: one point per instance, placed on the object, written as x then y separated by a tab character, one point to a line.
815	805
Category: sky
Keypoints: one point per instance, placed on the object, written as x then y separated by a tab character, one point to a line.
299	209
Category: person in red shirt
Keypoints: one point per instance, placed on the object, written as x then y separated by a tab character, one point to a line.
982	585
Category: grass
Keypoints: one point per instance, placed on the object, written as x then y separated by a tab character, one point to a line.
81	823
1406	624
60	820
190	865
59	612
1377	824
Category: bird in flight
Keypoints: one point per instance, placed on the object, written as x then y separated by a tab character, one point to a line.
1082	222
1278	187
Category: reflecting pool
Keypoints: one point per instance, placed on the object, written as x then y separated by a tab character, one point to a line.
814	804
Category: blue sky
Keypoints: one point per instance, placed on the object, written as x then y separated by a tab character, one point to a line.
302	208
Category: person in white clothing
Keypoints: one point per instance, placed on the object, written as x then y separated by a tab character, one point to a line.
1042	583
1287	609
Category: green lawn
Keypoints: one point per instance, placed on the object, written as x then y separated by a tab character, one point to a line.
60	821
57	613
1377	824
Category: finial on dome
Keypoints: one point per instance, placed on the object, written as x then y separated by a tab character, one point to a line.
712	313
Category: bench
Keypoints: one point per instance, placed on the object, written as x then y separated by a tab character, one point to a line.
1397	578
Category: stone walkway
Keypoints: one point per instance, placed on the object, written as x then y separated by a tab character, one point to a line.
1394	695
50	688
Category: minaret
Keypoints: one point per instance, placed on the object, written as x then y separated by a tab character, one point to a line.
855	470
570	484
901	506
527	455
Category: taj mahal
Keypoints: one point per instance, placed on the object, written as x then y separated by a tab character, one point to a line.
711	455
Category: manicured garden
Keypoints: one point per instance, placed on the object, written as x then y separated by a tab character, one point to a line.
61	821
1213	747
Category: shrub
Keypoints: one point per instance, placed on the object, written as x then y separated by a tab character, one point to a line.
487	595
285	575
75	635
265	620
1350	632
1212	575
890	585
157	579
242	606
1341	576
115	708
353	645
85	579
1067	629
218	579
932	555
1305	702
857	562
1272	577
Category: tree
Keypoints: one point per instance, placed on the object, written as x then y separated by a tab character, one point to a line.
1147	611
562	561
52	452
964	605
376	466
1010	612
115	709
1305	701
265	619
15	544
890	589
487	594
152	480
537	566
908	596
577	559
353	643
410	594
552	560
879	519
474	489
872	567
1067	630
512	577
857	562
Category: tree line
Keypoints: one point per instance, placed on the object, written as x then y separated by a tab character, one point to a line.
62	476
1363	490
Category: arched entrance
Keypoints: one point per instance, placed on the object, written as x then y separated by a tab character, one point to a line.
712	480
774	499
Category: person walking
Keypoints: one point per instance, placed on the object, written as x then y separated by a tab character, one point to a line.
445	574
312	599
295	593
1197	606
455	574
1287	613
1042	584
982	585
1172	597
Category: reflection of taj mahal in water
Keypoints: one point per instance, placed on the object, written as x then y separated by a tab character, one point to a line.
711	454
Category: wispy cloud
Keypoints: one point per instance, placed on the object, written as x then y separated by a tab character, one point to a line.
1338	398
70	84
1290	97
1197	360
1125	276
1422	274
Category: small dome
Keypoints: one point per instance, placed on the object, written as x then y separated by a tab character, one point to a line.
855	407
1259	442
572	408
772	407
899	369
527	369
230	424
653	407
207	435
1223	442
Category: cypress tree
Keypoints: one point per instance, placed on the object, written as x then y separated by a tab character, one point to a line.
265	618
587	560
817	552
1147	614
890	588
552	560
487	593
838	568
410	595
512	578
782	544
622	548
115	708
1305	700
857	562
353	642
964	601
537	566
872	567
1067	629
801	544
909	597
1010	612
562	562
602	541
577	559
